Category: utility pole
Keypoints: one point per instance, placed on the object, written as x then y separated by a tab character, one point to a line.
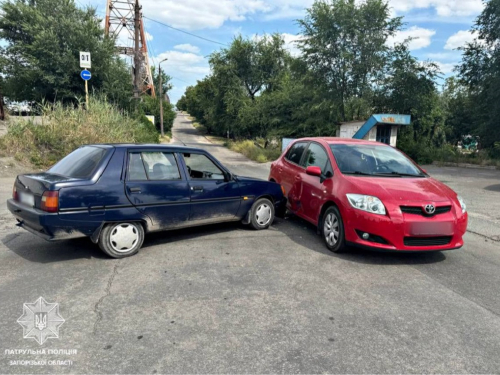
137	55
2	105
124	19
161	97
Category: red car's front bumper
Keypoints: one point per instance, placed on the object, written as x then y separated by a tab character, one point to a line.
398	231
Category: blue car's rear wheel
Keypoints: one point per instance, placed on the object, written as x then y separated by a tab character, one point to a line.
120	240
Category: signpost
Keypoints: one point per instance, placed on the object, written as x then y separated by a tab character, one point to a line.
86	63
86	75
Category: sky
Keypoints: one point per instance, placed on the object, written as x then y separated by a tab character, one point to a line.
439	26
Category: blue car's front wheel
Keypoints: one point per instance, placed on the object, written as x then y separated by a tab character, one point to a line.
120	240
262	214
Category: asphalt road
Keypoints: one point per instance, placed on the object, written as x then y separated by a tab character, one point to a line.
227	299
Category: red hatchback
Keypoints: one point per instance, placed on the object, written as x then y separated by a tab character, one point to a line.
369	194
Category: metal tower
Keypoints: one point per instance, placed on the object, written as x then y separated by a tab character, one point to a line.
124	17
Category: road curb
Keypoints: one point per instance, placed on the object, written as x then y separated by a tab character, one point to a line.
464	165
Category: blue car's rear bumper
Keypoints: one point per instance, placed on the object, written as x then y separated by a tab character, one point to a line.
48	226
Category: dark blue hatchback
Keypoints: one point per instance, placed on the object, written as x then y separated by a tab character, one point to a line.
114	194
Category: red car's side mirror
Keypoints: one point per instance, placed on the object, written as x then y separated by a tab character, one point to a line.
313	171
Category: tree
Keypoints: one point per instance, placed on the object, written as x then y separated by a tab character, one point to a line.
409	88
344	45
256	62
41	59
480	72
165	81
460	111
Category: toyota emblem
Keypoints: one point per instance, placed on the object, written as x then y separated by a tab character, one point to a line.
430	209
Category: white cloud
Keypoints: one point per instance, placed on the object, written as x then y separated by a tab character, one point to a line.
446	68
211	14
187	47
149	37
422	37
185	68
197	14
290	42
459	39
444	8
447	56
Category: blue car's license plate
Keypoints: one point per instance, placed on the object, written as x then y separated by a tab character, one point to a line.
27	199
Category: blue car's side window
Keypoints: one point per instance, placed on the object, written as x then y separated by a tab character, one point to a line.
153	166
136	171
201	167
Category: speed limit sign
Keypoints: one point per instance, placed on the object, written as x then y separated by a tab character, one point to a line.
85	60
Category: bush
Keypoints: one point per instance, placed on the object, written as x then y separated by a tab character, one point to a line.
64	129
251	151
151	106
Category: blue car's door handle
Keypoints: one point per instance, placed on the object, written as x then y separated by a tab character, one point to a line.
135	190
197	188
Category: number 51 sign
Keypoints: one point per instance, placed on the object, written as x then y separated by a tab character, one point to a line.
85	60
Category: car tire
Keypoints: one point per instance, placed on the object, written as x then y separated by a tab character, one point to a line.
121	240
332	230
262	214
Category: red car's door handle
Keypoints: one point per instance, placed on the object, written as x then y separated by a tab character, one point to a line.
280	170
297	178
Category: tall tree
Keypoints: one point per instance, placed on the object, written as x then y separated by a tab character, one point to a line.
409	87
256	62
344	45
41	59
480	72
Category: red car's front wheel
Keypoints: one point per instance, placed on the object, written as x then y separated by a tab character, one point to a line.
332	229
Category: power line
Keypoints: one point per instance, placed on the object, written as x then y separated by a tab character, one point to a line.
185	32
178	79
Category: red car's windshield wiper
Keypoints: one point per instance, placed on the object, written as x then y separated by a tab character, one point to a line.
357	172
397	174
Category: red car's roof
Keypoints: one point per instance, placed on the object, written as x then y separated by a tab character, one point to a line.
338	140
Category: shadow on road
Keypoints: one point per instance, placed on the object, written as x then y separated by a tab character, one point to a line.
37	250
493	188
299	231
194	233
311	240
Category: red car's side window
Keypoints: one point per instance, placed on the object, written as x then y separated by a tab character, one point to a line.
294	155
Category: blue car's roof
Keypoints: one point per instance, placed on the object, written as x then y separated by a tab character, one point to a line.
146	146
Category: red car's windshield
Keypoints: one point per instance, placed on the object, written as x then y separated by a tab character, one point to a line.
373	160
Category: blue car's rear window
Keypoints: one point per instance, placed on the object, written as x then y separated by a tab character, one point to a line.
81	163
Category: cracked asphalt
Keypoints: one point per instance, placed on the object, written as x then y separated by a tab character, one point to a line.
226	299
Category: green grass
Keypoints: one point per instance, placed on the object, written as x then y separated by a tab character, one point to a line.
450	154
64	129
253	152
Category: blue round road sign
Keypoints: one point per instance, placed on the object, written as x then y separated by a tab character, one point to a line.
86	75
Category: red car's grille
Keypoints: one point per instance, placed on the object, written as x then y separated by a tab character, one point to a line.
416	210
427	241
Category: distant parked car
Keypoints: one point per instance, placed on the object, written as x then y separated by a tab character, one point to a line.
370	195
114	194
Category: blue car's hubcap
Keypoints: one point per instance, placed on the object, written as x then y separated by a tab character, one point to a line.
263	214
331	229
124	237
